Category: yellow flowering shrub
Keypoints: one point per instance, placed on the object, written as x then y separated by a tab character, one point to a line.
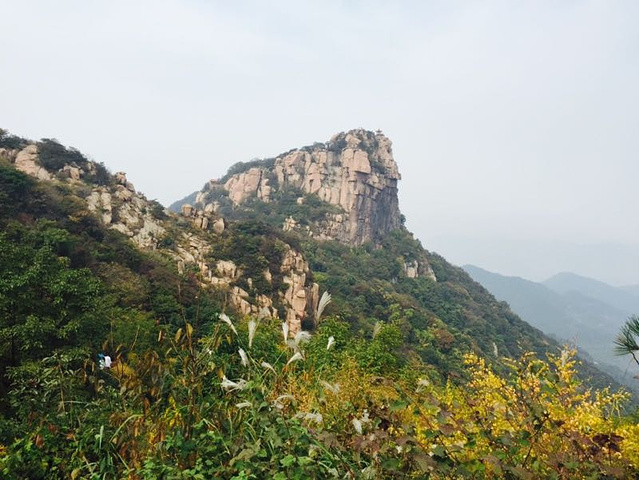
533	422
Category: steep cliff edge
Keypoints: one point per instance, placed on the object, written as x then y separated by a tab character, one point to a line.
354	171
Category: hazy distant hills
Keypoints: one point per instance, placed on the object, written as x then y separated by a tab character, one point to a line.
634	289
190	198
622	298
583	311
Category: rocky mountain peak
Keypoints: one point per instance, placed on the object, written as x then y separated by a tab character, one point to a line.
354	171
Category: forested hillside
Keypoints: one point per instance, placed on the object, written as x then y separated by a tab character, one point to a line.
242	349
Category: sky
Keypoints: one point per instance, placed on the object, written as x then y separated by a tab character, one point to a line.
515	125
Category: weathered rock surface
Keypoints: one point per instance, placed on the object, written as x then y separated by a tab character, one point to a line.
250	183
202	218
354	171
27	161
120	207
415	269
301	296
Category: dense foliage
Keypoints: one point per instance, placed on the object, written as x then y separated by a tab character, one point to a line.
238	401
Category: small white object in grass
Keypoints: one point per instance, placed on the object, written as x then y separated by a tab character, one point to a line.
230	385
313	417
377	329
302	337
268	366
331	387
252	327
325	300
295	358
244	357
357	425
224	317
286	396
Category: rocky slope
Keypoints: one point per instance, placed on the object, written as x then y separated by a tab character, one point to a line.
189	240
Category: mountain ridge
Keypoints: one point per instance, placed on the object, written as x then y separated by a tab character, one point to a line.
567	281
199	312
255	252
354	171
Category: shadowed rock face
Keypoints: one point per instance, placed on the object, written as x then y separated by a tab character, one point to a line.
354	171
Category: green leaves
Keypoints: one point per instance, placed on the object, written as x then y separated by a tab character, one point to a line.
288	460
44	304
626	341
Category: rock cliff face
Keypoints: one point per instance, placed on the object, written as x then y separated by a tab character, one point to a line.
122	208
26	161
354	171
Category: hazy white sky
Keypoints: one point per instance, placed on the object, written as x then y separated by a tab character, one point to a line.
515	124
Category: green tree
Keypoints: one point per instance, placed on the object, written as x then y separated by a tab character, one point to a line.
626	341
44	303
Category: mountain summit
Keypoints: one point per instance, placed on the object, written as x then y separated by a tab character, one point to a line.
354	171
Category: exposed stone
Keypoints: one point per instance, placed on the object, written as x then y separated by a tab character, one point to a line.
73	173
238	300
354	170
27	161
131	210
416	269
411	269
301	298
429	273
99	201
289	224
356	160
211	207
227	269
193	250
187	210
123	193
252	182
120	178
218	226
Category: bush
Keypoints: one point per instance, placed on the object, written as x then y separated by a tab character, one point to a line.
53	156
11	142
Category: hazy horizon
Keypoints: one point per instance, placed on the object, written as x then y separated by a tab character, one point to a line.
513	124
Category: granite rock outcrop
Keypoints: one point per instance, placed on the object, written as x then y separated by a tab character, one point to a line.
354	171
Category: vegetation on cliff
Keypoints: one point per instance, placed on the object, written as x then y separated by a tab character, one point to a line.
412	370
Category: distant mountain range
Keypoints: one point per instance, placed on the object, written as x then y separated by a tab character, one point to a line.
569	307
624	298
